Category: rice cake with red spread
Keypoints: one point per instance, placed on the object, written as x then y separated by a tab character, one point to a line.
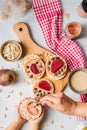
33	66
56	67
30	109
42	88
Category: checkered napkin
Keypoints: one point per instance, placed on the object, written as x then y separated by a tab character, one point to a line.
49	17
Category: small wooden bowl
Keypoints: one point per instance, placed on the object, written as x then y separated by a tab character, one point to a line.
11	42
69	81
73	30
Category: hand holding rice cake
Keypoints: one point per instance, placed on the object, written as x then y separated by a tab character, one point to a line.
30	109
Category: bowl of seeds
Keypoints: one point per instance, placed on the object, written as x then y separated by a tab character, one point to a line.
11	50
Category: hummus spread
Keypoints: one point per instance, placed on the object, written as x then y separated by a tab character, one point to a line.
79	80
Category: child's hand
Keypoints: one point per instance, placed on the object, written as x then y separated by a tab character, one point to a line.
60	102
18	116
34	124
17	123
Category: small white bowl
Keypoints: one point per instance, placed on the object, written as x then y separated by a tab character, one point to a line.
81	126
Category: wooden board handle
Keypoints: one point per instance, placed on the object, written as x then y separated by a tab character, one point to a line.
22	31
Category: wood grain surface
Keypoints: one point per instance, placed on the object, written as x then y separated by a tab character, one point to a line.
30	47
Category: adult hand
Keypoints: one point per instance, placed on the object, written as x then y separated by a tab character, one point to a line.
34	124
60	102
18	116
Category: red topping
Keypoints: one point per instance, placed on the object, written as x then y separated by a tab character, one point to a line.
56	65
44	85
34	69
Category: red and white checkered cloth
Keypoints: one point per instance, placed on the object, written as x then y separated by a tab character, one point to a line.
49	17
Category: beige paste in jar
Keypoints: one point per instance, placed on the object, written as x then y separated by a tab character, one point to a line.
79	80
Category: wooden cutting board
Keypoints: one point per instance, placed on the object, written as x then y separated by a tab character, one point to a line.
30	47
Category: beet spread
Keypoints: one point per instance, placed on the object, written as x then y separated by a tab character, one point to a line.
44	85
34	69
56	65
32	110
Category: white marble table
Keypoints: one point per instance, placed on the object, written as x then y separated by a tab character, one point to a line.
61	122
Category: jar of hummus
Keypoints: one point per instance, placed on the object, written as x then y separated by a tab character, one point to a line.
78	80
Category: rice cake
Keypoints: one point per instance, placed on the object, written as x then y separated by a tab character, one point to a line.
56	67
33	66
30	109
42	88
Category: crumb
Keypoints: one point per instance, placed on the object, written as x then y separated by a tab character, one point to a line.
5	116
12	69
67	15
0	90
12	91
47	125
28	83
61	86
61	126
52	122
8	96
6	108
41	52
69	117
23	80
21	94
49	55
1	67
1	127
46	54
18	65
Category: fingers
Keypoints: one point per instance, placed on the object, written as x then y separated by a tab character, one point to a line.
59	95
50	104
42	114
49	98
55	98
